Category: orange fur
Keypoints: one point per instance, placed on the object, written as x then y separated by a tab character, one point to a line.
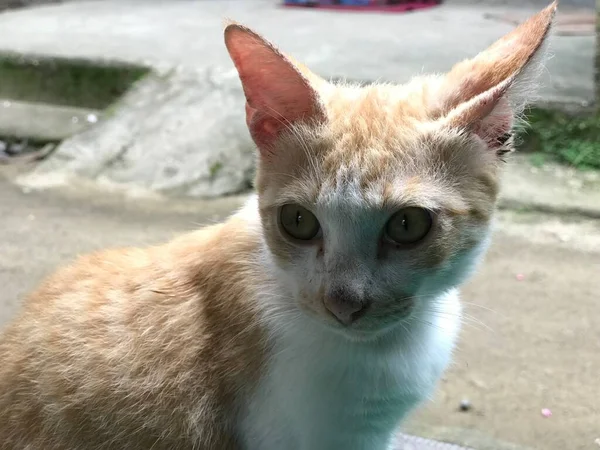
135	348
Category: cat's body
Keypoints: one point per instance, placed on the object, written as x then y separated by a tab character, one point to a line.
316	317
130	349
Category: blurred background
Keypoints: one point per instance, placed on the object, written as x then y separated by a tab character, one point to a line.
122	122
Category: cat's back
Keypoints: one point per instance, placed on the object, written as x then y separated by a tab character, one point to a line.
122	343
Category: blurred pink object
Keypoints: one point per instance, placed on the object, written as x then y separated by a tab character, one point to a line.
397	6
546	412
520	277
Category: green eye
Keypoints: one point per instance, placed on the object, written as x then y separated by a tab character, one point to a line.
299	222
409	225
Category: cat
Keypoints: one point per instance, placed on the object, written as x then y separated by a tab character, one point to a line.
316	317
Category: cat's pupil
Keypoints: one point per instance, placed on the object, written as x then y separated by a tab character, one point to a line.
298	218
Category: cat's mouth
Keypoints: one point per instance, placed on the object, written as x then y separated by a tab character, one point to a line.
375	322
371	334
381	316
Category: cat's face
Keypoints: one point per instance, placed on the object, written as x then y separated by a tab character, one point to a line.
375	199
378	211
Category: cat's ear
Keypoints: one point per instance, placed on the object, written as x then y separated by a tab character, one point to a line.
279	92
485	94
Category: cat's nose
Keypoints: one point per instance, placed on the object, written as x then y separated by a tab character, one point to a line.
346	305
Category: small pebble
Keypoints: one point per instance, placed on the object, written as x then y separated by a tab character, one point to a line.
74	119
546	412
92	118
520	277
6	104
597	442
465	405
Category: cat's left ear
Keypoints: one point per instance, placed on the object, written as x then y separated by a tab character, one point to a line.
279	92
484	95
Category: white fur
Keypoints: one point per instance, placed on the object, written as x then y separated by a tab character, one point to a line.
322	390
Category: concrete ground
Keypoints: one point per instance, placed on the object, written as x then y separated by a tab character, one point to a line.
530	340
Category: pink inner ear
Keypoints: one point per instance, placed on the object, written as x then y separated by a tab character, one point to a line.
504	59
263	129
495	125
277	94
488	115
472	96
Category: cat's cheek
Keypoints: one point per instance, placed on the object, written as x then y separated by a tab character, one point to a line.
455	271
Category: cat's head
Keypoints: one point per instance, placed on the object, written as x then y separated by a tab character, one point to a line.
375	199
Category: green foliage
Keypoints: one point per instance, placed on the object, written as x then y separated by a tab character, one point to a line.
569	139
215	168
65	82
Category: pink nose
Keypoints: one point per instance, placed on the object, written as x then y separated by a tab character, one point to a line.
346	307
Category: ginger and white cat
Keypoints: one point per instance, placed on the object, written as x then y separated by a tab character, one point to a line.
317	316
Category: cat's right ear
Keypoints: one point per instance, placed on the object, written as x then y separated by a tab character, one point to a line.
278	92
485	94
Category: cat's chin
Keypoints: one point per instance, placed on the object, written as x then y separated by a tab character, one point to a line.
362	335
371	332
371	335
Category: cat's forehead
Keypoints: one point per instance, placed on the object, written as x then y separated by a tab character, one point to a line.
379	111
349	189
375	127
375	136
352	188
380	149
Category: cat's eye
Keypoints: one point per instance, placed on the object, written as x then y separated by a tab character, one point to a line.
299	222
409	225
